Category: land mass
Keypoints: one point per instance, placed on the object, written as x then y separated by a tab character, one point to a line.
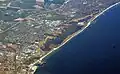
30	34
69	37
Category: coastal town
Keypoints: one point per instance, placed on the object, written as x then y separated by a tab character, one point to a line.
30	29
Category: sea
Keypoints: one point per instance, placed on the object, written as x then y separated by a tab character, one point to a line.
96	50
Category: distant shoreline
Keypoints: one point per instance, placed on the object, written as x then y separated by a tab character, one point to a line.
73	35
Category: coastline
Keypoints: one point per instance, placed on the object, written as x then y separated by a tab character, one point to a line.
73	35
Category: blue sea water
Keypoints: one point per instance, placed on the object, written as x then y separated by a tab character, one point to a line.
94	51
